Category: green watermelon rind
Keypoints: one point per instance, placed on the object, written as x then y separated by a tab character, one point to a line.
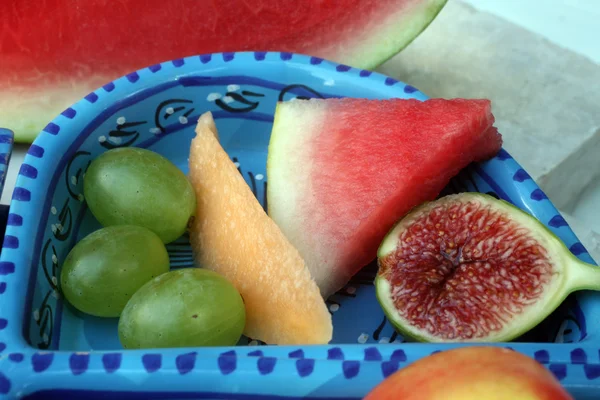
577	275
431	13
395	36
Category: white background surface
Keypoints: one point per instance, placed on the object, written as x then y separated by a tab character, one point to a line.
572	24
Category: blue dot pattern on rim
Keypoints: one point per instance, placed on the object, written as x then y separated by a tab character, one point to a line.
255	353
3	323
7	268
305	366
538	195
390	81
296	354
21	194
185	362
521	176
152	362
111	362
36	151
227	362
16	357
133	77
399	355
109	87
263	364
559	371
52	128
542	356
577	249
372	354
41	361
91	97
389	367
578	356
343	68
591	371
259	55
29	171
557	221
266	365
4	138
350	368
2	347
4	384
14	220
11	242
69	113
335	354
178	62
78	363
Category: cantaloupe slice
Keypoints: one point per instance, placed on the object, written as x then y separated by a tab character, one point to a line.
233	236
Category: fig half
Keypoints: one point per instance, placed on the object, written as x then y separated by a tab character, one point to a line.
471	268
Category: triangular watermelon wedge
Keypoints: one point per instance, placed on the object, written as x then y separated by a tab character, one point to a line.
54	52
341	172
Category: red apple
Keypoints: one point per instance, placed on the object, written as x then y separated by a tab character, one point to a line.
472	373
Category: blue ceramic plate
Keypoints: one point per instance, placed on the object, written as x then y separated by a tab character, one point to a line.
48	350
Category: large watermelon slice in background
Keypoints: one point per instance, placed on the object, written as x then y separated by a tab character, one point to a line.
54	52
341	172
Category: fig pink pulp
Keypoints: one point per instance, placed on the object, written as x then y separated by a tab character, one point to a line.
463	270
469	267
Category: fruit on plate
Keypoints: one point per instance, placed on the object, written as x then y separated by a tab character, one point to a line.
472	373
188	307
50	55
341	172
105	268
233	236
133	186
469	267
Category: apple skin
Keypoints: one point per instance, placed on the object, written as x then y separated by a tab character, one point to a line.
472	373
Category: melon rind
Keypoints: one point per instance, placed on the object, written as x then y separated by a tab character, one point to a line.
570	274
33	93
388	36
291	135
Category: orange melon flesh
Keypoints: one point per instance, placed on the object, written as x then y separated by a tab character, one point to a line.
233	236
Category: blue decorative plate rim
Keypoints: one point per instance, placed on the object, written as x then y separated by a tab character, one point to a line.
6	145
576	365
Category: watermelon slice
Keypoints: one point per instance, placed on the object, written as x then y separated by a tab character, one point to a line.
54	52
233	236
341	172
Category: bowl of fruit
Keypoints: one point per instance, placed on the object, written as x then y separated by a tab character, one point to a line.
274	225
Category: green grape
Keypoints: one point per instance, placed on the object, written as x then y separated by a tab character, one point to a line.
103	270
183	308
133	186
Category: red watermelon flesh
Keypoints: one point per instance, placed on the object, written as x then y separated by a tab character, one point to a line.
54	52
341	172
